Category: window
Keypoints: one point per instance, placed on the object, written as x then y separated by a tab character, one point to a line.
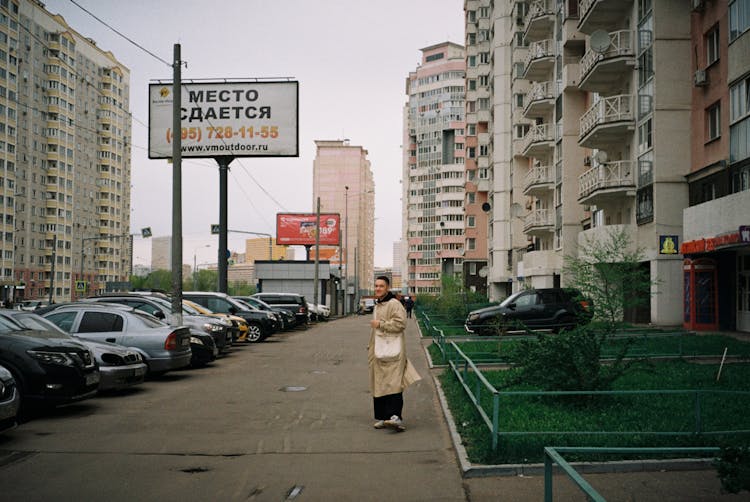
472	268
519	98
484	57
472	84
518	70
471	243
471	61
95	322
522	130
471	198
645	207
712	45
471	221
739	18
713	122
484	80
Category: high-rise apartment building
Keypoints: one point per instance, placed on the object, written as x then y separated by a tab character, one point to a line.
716	239
64	158
264	248
433	171
342	178
161	253
589	134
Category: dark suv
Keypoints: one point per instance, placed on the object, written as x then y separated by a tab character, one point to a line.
551	308
260	324
292	302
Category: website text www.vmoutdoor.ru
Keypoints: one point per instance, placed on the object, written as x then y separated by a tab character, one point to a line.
225	148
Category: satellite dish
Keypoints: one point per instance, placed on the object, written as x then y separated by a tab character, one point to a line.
486	207
601	157
483	271
599	41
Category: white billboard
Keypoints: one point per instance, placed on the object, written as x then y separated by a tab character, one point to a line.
238	119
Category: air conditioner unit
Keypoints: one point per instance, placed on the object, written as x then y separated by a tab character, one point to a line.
698	4
700	79
587	160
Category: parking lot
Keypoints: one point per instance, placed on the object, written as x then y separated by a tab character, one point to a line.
289	417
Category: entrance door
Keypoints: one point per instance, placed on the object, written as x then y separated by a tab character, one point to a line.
743	292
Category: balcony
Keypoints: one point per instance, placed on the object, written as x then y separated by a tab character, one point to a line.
540	100
607	122
601	14
607	181
571	76
540	20
539	141
538	180
540	60
600	237
483	185
539	222
541	263
604	71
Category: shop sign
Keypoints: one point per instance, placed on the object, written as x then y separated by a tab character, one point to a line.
745	234
668	244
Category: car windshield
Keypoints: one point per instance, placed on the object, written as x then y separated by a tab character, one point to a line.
147	319
258	303
245	305
6	325
189	309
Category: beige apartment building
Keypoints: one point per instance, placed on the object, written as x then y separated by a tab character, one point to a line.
433	171
264	248
342	178
590	134
65	167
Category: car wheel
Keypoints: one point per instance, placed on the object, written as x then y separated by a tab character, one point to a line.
254	333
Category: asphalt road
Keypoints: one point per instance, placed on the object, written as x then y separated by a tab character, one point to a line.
290	418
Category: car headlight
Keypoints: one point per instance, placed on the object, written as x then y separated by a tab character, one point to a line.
225	322
196	340
473	317
270	315
51	357
211	327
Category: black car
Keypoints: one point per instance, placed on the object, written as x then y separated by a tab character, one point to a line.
286	319
294	303
260	324
49	368
550	308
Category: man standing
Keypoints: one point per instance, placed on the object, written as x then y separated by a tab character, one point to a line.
390	370
408	305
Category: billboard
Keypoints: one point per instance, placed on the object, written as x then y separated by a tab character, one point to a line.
299	229
238	119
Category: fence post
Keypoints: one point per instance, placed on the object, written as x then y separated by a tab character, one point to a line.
547	476
495	419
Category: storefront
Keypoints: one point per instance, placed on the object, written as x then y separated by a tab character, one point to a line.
716	282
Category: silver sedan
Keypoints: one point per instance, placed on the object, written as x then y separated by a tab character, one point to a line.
163	347
119	367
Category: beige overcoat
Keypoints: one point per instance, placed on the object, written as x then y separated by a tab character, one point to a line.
390	377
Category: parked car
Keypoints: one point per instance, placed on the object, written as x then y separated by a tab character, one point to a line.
239	325
49	369
119	367
161	308
260	324
366	306
296	304
550	308
285	318
10	400
164	348
31	304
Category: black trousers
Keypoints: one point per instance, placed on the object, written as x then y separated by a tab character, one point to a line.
387	406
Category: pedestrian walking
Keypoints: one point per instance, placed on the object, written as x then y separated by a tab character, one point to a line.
408	305
390	370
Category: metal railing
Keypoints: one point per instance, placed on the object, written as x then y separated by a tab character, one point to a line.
538	50
607	110
538	175
552	455
621	44
538	218
538	92
537	133
609	175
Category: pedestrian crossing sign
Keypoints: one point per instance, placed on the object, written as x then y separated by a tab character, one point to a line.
80	286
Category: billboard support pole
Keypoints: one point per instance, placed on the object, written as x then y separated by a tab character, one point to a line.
222	260
317	254
177	188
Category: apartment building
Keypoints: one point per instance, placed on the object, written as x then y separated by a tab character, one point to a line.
342	178
64	158
433	172
716	239
589	134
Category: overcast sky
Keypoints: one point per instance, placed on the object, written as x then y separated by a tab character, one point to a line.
351	58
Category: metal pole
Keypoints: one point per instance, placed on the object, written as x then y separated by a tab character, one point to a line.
177	188
346	246
52	271
195	272
317	251
222	258
270	248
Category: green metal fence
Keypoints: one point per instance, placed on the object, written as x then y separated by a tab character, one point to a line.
487	400
553	455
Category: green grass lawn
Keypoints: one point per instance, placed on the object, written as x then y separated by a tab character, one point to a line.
623	413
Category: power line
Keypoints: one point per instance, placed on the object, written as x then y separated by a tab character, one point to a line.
123	36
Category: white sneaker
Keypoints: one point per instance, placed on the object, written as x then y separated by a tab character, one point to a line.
395	423
380	424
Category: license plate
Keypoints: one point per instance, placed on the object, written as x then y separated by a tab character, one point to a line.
139	371
92	378
185	342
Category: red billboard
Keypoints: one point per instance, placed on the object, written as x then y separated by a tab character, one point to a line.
298	229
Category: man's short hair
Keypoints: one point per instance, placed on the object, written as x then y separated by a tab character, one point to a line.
384	278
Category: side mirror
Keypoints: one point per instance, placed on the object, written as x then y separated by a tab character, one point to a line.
159	314
232	310
512	306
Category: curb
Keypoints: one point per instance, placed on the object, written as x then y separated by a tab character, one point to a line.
469	470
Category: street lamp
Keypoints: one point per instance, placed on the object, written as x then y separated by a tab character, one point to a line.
195	264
